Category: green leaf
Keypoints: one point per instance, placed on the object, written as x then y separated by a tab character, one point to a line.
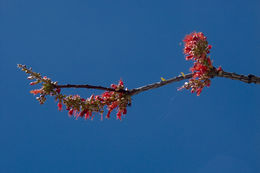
163	79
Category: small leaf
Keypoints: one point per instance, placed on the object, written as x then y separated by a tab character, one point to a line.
182	74
163	79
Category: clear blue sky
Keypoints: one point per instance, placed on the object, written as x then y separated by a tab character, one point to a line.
98	42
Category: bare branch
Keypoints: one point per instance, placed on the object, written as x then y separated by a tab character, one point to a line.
247	79
159	84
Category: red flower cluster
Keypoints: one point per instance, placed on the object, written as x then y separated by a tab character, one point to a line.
107	97
197	49
117	99
80	107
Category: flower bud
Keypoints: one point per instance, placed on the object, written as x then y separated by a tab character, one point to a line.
33	83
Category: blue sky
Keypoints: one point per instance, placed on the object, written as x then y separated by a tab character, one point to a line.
98	42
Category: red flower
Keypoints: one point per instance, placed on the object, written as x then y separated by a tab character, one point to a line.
124	111
209	62
189	57
58	90
36	91
120	83
106	94
87	115
33	83
59	106
113	105
188	38
208	83
219	69
71	112
187	50
198	91
114	86
119	114
108	114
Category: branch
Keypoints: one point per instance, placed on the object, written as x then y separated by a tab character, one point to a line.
132	91
117	97
196	48
89	87
247	79
159	84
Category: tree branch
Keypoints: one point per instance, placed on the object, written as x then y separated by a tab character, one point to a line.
90	87
159	84
132	91
247	79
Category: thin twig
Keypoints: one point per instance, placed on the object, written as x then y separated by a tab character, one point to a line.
159	84
90	87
